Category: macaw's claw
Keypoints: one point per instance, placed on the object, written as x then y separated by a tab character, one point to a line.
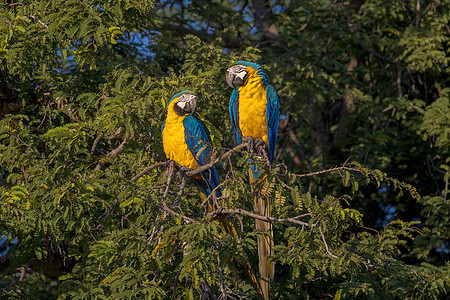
259	145
254	146
250	143
185	169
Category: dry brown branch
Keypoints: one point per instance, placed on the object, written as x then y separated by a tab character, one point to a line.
259	217
115	134
113	153
94	145
194	171
163	204
36	19
61	104
343	167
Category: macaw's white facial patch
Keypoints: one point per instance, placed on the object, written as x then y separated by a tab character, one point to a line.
187	103
236	75
239	78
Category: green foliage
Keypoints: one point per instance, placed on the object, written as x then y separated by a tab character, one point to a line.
436	120
84	87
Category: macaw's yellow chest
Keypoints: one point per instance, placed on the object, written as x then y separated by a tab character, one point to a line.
174	142
252	110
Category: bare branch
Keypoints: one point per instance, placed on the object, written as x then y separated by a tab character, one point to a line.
213	192
149	168
115	134
325	242
175	280
14	4
327	171
241	211
94	145
388	59
113	153
181	191
162	203
36	19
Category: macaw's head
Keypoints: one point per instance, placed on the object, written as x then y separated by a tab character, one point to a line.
184	103
238	73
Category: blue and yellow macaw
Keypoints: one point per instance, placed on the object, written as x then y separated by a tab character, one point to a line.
187	141
255	111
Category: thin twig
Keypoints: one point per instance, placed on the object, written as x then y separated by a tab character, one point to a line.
113	153
181	191
162	203
111	209
213	192
222	285
241	211
36	19
37	130
325	242
327	171
146	170
167	209
175	280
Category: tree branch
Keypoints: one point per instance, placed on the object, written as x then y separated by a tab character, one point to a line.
327	171
241	211
217	160
325	242
148	169
113	153
36	19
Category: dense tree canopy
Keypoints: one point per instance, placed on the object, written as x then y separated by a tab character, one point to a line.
359	189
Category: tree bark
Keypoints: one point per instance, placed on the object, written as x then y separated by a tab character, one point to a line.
264	21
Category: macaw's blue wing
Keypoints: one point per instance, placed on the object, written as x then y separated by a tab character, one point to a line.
199	142
273	116
234	116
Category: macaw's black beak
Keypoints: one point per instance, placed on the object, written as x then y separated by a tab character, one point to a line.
230	78
191	105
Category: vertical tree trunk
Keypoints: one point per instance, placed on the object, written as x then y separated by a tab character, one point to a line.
264	21
348	106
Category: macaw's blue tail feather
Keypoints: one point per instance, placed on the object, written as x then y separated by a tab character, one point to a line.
261	206
255	171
